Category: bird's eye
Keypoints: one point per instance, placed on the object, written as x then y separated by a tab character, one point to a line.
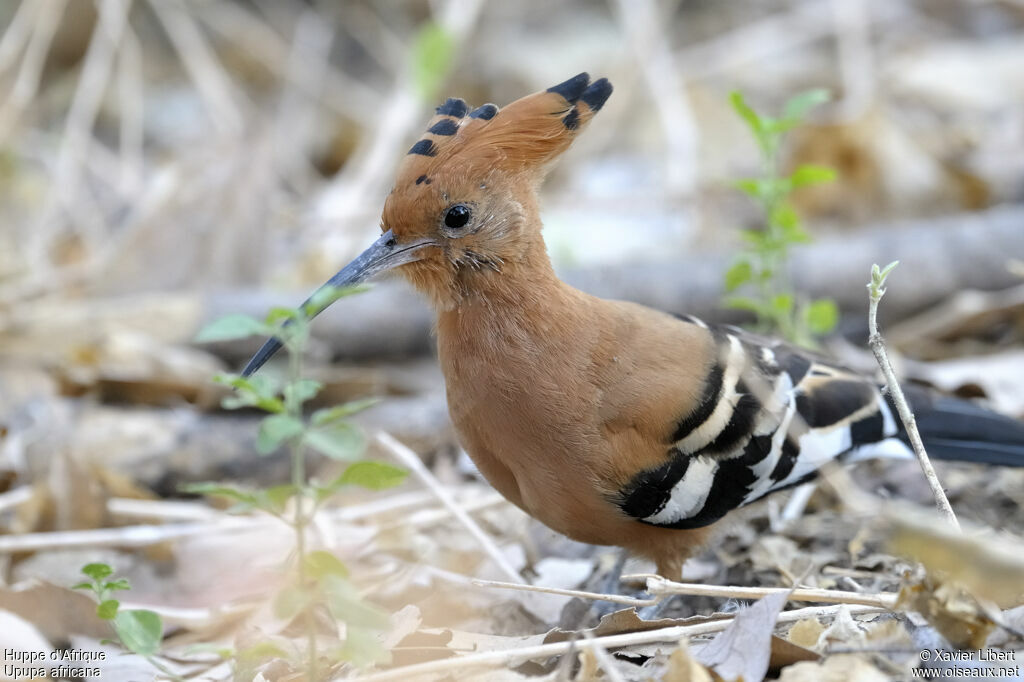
457	216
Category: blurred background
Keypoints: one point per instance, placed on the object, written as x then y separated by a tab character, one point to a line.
165	162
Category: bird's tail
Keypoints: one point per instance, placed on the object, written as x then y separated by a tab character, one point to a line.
963	431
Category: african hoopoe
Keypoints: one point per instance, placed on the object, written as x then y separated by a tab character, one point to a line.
612	423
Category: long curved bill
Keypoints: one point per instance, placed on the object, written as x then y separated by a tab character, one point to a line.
384	254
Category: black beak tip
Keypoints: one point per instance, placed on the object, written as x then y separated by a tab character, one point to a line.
262	355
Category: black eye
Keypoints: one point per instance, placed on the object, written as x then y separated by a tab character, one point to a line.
457	216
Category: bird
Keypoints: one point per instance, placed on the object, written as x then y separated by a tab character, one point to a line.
608	421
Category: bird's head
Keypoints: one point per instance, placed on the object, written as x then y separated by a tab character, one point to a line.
462	216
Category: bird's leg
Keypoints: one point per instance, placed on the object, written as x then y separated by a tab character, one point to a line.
611	581
611	584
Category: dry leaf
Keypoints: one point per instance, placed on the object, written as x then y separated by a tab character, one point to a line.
777	553
625	621
991	568
785	653
951	609
683	667
841	668
806	633
743	650
843	630
56	611
887	633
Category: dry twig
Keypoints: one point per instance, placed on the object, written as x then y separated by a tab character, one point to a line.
411	460
595	596
509	657
658	585
877	345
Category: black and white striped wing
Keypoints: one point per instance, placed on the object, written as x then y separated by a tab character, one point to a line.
770	416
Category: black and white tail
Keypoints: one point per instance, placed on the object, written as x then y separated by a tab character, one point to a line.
772	415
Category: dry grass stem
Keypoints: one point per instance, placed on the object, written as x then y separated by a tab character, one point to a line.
411	461
603	659
595	596
658	585
125	536
511	657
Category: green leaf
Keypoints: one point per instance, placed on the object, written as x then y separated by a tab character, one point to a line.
346	605
277	497
320	563
302	390
275	430
245	497
432	53
232	327
785	216
810	174
745	303
278	315
738	275
362	647
752	187
796	107
258	391
107	610
259	653
119	584
763	189
97	571
333	414
83	586
822	316
759	240
782	303
792	233
291	601
750	116
878	277
327	294
140	631
340	440
373	475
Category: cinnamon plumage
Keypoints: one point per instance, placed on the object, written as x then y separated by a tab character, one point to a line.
610	422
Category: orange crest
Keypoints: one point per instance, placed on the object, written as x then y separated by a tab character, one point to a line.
524	136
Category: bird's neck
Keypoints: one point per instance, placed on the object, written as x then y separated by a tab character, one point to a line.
509	309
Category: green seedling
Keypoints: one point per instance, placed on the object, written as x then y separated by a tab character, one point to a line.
138	630
758	281
319	580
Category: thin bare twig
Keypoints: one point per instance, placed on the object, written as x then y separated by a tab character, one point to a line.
671	634
411	460
877	344
595	596
603	659
658	585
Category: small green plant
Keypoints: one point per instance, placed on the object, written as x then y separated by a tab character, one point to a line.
318	579
760	273
138	630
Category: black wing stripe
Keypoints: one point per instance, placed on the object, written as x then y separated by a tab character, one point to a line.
708	403
649	491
